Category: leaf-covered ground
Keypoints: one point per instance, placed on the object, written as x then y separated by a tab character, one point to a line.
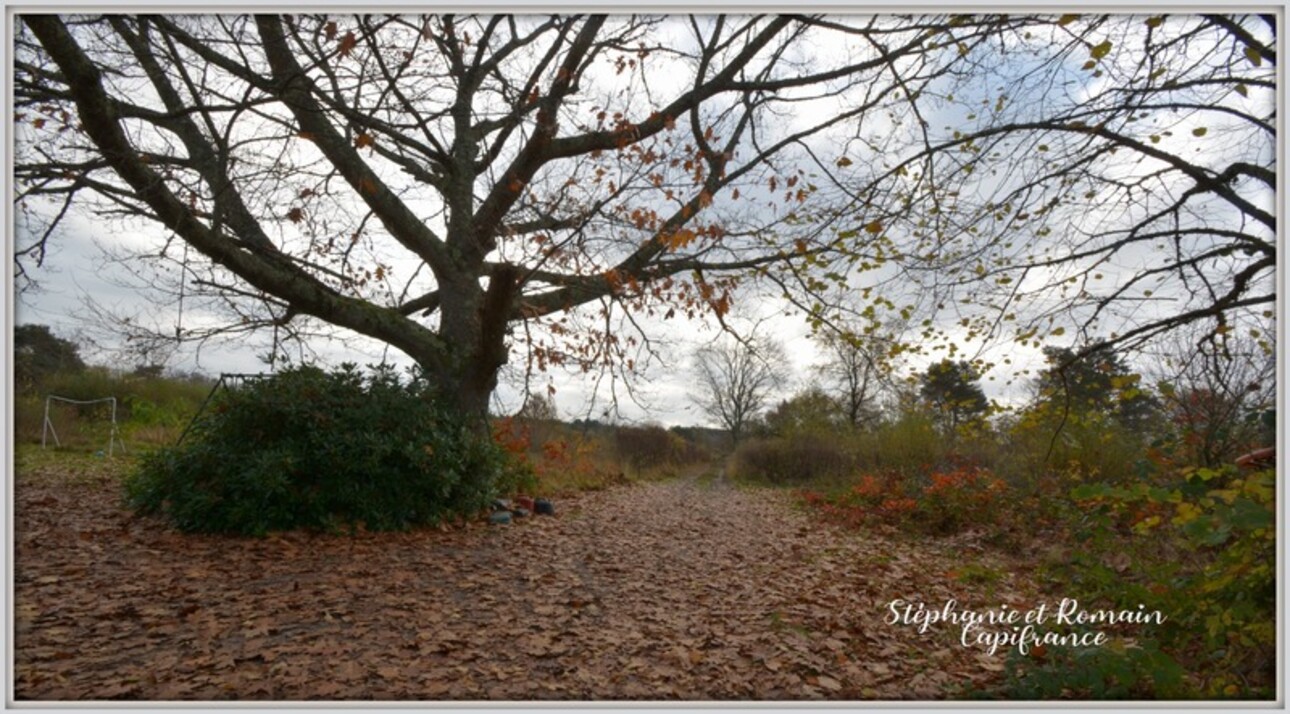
687	589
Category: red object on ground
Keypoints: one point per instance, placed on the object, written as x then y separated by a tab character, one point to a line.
1256	459
524	502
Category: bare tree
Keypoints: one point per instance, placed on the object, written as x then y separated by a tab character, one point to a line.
459	186
1217	394
859	369
456	185
736	379
1109	175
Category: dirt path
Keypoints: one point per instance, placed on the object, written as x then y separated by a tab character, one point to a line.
688	589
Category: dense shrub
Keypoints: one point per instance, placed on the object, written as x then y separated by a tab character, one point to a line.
1203	550
795	460
641	446
909	444
314	449
651	447
945	502
1083	446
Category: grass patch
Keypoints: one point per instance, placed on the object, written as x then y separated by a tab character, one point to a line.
68	466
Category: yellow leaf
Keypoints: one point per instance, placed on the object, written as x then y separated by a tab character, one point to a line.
844	162
1101	50
1253	56
1154	22
1199	131
1067	19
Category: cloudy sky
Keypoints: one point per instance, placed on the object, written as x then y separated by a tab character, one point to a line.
77	273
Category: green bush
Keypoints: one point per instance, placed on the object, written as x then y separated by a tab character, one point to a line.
909	444
1219	589
1083	446
1141	671
1200	549
314	449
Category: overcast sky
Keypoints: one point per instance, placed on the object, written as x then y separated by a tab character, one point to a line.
76	273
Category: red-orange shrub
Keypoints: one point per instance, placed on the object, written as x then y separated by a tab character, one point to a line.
950	501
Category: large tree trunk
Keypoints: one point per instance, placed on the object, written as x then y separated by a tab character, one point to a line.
473	326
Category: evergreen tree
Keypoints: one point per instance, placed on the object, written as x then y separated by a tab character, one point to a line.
38	353
951	389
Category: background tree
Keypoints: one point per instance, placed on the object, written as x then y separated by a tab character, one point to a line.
538	406
859	369
452	185
810	411
38	353
950	388
1219	395
735	380
1096	380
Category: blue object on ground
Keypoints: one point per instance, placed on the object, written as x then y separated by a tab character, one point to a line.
500	517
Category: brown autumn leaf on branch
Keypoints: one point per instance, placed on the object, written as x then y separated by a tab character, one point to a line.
347	44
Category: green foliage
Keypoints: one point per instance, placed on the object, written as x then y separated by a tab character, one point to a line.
1116	671
811	411
314	449
951	389
1084	445
1202	550
150	409
909	444
1099	382
38	353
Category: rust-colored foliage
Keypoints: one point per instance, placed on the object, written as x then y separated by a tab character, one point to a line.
951	499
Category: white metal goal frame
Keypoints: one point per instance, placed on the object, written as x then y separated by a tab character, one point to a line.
114	437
